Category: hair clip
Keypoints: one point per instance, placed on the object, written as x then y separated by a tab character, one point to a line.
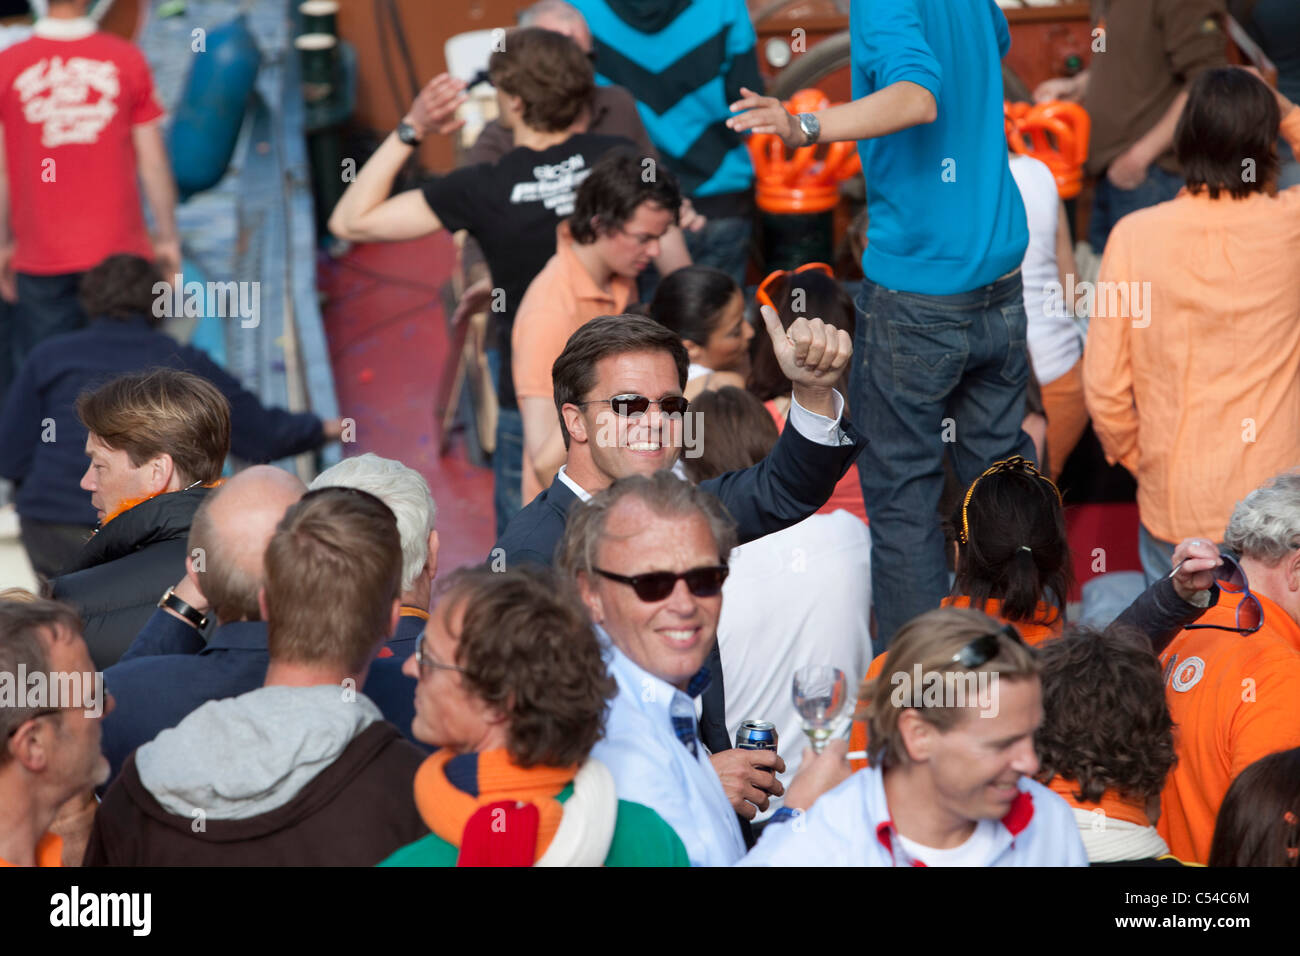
1014	463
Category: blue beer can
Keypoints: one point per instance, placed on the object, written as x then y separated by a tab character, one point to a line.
756	735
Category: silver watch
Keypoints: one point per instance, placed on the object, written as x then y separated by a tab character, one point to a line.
811	128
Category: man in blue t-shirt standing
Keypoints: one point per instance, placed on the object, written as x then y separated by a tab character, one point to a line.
942	334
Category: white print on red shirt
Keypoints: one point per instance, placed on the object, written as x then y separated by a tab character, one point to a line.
73	100
556	186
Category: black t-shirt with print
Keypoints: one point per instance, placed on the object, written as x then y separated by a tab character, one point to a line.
512	207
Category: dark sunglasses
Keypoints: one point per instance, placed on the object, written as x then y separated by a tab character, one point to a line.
634	406
657	585
984	648
1231	578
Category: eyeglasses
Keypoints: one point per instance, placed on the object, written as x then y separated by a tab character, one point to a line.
40	713
634	406
657	585
1231	578
1014	463
766	299
984	648
424	660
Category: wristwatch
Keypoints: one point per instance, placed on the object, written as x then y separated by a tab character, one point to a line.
191	614
407	134
812	128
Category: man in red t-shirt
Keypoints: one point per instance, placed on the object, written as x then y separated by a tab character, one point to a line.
80	122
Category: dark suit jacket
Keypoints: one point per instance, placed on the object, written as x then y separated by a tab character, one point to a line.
795	479
124	569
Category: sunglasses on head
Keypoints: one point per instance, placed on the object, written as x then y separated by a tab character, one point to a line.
1232	579
634	406
765	297
984	648
657	585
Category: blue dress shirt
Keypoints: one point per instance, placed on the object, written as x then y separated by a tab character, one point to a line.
652	767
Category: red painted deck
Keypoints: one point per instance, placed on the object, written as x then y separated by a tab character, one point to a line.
386	329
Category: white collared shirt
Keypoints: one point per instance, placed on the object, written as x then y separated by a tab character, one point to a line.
851	826
652	767
816	428
64	28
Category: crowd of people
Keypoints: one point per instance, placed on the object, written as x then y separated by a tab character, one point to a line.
701	488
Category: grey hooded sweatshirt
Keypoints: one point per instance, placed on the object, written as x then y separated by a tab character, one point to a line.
276	776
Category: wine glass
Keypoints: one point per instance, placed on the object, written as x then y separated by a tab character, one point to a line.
819	694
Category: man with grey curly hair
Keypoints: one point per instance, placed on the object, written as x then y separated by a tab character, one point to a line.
1233	678
1265	527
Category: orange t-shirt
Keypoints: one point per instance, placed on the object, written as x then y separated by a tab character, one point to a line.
1234	699
49	851
1049	624
561	299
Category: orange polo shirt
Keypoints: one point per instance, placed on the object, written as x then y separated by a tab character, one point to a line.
1202	402
560	300
1234	699
49	851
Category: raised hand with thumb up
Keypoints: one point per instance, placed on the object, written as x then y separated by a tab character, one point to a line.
812	355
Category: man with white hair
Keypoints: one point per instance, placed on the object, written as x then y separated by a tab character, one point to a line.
407	494
1233	677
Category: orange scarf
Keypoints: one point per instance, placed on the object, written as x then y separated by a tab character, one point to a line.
447	809
1111	803
1047	622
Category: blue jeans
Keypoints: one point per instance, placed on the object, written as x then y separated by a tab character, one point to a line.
722	244
46	306
1289	173
1157	556
508	458
932	374
1110	204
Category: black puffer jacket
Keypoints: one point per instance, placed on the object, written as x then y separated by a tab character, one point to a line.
125	568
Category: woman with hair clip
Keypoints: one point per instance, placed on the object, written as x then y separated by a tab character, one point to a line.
706	308
1013	556
1013	559
810	290
1013	563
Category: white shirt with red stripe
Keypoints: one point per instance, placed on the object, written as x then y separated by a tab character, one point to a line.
851	826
